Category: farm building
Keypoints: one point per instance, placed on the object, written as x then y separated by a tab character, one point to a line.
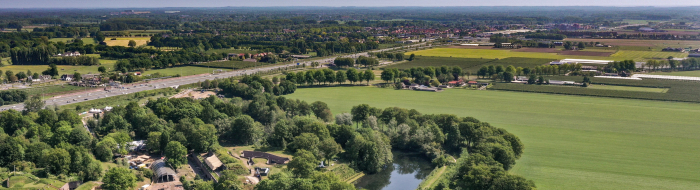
426	88
469	44
213	162
582	61
270	157
162	173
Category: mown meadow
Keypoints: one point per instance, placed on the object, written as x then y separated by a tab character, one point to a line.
571	142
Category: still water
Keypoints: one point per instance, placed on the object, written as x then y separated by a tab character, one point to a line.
406	172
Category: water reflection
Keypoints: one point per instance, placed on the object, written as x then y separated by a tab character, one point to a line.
406	172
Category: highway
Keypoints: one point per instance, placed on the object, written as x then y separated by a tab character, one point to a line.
165	83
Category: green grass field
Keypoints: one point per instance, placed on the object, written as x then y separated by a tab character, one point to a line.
470	64
62	69
70	40
679	73
628	88
571	142
501	54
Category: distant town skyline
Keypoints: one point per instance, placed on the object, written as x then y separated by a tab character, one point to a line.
334	3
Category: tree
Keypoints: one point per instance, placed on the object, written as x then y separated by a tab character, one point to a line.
132	43
175	154
387	75
368	76
303	163
353	76
411	57
58	161
33	104
340	77
531	79
93	171
328	148
153	142
508	76
581	45
102	69
360	112
317	107
228	181
77	76
119	178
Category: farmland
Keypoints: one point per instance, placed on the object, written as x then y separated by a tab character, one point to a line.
62	69
70	40
679	73
125	41
648	89
656	44
470	64
574	142
502	54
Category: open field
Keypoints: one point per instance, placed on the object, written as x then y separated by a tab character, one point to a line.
642	43
501	54
470	64
594	52
62	69
627	88
647	89
70	40
679	73
120	41
571	142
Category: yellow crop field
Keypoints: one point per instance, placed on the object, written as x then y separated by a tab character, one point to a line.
125	41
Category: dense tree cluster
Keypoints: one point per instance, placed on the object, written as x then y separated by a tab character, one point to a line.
12	96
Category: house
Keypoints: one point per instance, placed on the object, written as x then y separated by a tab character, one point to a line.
66	77
459	82
213	162
472	83
69	54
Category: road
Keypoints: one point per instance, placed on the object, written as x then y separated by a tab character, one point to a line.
164	83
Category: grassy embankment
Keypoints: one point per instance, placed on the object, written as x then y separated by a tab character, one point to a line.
571	142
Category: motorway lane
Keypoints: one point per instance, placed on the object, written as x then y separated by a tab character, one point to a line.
163	83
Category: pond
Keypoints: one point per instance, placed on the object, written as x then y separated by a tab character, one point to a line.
406	172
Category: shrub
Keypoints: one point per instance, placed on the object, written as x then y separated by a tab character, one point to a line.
238	169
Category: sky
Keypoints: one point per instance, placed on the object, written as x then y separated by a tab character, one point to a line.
359	3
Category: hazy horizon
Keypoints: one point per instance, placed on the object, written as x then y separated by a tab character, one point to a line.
331	3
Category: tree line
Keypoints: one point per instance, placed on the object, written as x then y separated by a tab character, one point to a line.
327	76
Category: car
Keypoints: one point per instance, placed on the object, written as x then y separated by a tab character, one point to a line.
86	99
